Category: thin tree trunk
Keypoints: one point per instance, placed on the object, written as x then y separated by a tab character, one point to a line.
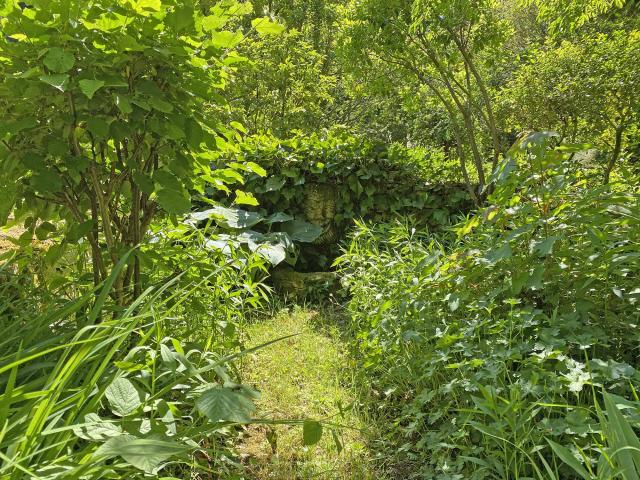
617	148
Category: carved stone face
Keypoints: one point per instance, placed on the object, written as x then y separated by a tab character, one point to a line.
320	204
320	209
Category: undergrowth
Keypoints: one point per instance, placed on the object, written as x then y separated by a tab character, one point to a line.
483	344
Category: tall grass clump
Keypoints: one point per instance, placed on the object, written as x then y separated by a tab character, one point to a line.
486	344
94	390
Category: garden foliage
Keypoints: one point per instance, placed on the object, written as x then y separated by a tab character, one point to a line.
487	341
332	180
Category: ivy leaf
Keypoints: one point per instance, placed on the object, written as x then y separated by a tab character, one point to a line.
225	404
274	183
311	432
90	87
60	81
264	26
58	61
123	397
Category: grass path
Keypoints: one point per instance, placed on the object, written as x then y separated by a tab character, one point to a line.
305	376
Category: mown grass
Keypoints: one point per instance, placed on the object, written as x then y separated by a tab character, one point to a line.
305	376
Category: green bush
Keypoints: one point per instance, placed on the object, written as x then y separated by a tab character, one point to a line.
335	179
486	340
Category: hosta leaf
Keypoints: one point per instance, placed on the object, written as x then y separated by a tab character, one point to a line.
225	404
301	231
229	217
122	396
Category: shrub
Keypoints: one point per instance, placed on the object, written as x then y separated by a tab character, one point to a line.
332	180
487	339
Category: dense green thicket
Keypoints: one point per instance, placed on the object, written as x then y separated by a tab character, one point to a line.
333	180
485	342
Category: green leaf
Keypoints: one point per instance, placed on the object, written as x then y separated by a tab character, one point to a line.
98	126
278	217
123	397
264	26
567	457
226	39
274	183
213	22
97	429
124	104
144	182
181	18
90	87
160	105
543	247
44	229
58	61
257	169
245	198
60	81
229	217
144	7
174	201
146	454
46	181
311	432
302	231
225	404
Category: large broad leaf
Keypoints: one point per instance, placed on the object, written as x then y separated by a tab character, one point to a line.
264	26
229	217
278	217
301	231
95	428
311	432
60	81
226	39
174	201
122	396
225	404
90	87
58	61
147	454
